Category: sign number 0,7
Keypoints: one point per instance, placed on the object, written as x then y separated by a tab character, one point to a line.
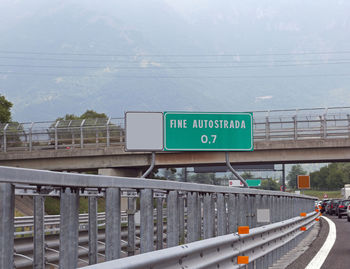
205	139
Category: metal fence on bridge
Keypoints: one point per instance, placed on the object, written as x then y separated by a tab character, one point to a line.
320	123
195	212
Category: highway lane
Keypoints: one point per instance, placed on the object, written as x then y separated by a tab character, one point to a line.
339	256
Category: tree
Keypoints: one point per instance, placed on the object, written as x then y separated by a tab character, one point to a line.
5	110
95	130
247	175
292	175
269	184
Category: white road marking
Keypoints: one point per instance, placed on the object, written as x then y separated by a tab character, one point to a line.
322	254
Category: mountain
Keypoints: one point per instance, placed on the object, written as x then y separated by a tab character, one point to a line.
59	57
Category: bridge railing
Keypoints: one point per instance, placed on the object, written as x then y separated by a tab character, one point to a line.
268	125
194	212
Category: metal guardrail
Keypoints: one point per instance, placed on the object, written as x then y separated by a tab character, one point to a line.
222	251
194	212
318	123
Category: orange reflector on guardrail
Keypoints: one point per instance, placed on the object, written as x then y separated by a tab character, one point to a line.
303	228
302	214
320	214
243	230
242	259
317	210
317	219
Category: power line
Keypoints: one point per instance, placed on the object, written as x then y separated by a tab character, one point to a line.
174	55
169	67
173	77
162	61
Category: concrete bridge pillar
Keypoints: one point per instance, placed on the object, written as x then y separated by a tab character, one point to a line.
121	172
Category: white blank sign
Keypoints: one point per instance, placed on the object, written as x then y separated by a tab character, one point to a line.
263	215
144	131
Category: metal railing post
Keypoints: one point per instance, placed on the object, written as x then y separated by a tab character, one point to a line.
267	129
159	223
181	206
147	225
7	209
232	213
108	132
221	215
325	126
69	228
295	127
192	217
5	138
254	200
113	226
39	233
31	137
82	134
172	219
208	216
131	226
93	230
56	135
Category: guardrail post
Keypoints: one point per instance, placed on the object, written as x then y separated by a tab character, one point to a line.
232	213
222	215
113	227
131	226
146	221
172	219
69	228
192	217
159	223
93	230
39	233
208	216
7	209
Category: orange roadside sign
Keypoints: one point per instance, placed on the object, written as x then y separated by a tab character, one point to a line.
303	182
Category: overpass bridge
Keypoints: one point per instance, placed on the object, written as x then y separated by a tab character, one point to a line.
280	136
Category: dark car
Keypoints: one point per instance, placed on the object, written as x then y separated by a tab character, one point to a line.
333	205
328	207
343	204
323	205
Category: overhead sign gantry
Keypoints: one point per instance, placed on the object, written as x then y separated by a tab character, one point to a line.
189	131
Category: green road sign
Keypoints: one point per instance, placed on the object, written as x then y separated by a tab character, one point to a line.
254	182
186	131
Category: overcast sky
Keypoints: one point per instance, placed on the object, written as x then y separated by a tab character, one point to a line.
59	57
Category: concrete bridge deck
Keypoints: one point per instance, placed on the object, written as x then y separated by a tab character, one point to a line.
311	150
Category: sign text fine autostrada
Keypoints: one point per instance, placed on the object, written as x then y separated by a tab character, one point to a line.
208	131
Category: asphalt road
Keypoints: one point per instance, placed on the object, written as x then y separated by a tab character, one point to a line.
339	256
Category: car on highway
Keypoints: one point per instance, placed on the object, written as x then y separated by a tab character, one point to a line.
332	206
342	208
348	212
323	205
328	207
